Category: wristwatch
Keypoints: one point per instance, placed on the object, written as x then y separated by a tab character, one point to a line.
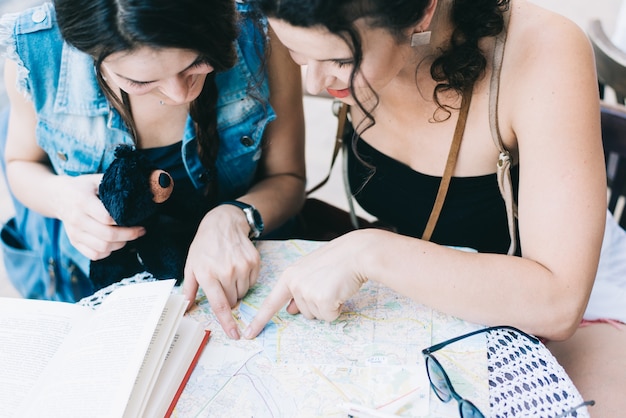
252	216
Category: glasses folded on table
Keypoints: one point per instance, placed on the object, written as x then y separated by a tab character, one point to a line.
442	386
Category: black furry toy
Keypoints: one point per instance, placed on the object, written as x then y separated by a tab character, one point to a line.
135	194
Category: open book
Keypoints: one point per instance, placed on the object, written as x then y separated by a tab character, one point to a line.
130	357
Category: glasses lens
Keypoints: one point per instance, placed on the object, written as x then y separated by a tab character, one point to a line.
469	410
438	380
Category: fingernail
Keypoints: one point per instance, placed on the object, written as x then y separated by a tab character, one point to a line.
247	334
234	334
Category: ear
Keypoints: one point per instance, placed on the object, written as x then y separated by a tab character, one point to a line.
161	185
420	34
424	24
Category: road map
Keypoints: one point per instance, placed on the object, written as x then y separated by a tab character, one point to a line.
370	356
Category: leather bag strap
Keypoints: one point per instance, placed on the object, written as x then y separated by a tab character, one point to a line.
450	164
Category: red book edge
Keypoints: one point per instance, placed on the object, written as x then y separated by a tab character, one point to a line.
192	366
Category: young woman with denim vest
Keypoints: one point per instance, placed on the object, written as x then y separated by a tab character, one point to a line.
189	83
409	69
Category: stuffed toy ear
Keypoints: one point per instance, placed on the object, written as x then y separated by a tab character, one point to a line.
162	185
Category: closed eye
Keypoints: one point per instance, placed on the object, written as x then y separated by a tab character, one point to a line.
198	63
139	83
342	63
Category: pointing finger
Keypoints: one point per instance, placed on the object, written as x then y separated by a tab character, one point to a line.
279	296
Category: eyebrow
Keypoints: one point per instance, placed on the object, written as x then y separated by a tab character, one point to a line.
195	62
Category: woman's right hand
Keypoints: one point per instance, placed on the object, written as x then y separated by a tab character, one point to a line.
87	223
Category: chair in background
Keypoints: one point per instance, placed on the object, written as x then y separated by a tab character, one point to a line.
610	62
611	69
614	142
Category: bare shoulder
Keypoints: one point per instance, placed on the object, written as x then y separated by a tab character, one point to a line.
538	32
548	64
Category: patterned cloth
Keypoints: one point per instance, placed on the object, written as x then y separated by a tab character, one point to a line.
97	298
525	380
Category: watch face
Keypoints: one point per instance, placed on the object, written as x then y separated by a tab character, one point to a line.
258	221
256	226
255	221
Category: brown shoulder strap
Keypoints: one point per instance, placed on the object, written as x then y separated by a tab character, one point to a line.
450	164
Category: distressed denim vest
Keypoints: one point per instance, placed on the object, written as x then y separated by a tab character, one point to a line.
79	130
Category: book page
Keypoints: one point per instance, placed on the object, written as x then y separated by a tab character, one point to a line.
95	369
31	332
156	354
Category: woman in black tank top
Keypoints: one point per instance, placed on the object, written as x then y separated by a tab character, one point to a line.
435	97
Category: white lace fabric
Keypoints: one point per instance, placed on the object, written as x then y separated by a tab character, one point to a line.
525	380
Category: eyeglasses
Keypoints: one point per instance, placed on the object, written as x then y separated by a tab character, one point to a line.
439	380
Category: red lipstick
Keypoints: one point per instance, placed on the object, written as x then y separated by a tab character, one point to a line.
340	94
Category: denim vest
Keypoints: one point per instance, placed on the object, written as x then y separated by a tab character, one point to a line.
79	130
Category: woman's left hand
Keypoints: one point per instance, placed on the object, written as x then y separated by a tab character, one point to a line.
223	261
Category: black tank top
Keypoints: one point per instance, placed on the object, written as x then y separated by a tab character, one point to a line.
473	214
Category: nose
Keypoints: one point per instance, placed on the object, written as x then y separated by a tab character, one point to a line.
316	79
177	89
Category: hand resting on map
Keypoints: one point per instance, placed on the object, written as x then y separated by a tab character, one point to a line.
317	285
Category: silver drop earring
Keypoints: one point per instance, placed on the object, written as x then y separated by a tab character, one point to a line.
161	102
420	38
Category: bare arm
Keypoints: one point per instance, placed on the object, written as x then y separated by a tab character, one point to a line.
28	172
280	193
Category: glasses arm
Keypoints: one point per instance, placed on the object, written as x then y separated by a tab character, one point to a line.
460	337
570	411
